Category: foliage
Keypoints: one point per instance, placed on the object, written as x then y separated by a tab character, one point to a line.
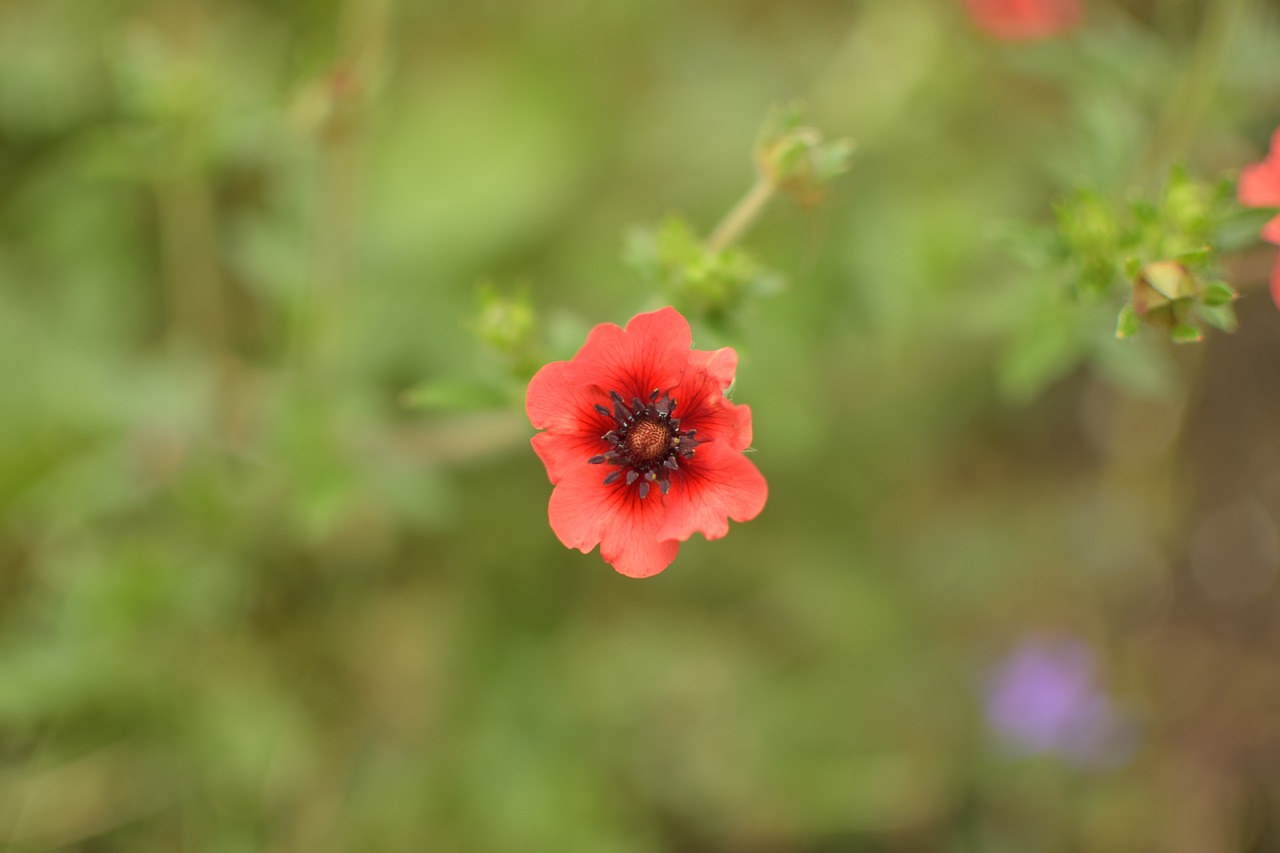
274	547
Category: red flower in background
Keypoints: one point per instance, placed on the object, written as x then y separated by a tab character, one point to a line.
641	444
1260	187
1016	20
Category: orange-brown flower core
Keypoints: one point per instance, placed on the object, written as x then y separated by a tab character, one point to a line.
648	441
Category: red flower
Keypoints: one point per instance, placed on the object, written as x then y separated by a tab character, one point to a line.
641	444
1260	187
1017	20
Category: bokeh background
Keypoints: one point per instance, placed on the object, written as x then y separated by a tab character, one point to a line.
274	561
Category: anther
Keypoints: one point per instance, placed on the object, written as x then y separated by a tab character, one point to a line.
646	442
620	410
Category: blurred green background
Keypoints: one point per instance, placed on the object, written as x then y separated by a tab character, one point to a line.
253	601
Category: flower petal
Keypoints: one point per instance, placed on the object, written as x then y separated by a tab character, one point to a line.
1271	231
1275	283
1024	19
632	546
739	437
721	484
723	422
563	454
556	401
650	353
584	512
702	406
1259	184
719	365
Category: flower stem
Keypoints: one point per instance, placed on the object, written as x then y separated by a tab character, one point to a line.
742	216
319	334
193	288
1199	84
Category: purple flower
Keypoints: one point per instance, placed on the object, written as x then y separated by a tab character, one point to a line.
1044	699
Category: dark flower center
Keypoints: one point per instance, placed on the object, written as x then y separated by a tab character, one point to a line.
646	442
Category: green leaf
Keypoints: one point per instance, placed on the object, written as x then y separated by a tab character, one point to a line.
506	323
795	158
1050	343
454	395
1219	316
1127	323
1145	214
1033	245
1218	293
1185	333
782	118
1195	257
789	157
1239	228
701	282
1187	205
832	159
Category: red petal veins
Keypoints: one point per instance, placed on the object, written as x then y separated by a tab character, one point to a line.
564	454
632	546
566	411
718	365
720	421
650	353
584	513
555	402
703	406
720	485
739	437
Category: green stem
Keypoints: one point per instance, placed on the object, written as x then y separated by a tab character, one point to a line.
189	258
318	328
1198	86
742	216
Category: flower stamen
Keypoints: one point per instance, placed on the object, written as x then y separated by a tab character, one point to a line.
646	442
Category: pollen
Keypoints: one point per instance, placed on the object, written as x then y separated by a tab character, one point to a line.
648	441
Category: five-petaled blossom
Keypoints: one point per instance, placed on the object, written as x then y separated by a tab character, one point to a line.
1017	20
1260	187
641	444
